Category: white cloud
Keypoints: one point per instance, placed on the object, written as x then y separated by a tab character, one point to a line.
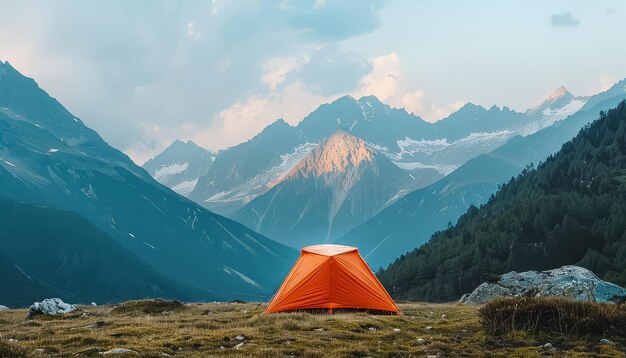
387	82
383	80
276	69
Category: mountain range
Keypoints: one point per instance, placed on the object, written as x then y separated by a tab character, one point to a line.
253	182
248	170
50	161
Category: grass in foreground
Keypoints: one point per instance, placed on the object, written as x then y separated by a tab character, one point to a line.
154	329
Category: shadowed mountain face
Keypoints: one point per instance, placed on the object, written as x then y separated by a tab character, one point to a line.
180	166
338	185
49	158
410	222
55	253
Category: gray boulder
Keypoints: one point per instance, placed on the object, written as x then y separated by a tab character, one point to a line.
568	281
50	306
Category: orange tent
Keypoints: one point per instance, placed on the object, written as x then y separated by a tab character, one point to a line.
330	277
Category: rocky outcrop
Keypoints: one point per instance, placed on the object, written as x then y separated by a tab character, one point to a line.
568	281
50	306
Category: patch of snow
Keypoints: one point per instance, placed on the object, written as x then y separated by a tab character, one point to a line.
131	235
186	187
398	195
150	246
89	192
367	110
23	273
378	148
444	169
266	180
153	204
9	163
410	146
52	150
485	137
551	116
167	171
230	271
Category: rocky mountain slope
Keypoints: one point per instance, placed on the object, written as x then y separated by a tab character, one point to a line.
180	166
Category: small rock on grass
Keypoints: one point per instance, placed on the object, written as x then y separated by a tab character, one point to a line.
89	352
605	341
548	347
119	351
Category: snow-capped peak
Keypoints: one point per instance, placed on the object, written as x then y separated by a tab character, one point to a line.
335	154
557	99
559	93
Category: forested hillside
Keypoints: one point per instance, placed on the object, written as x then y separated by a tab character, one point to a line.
571	209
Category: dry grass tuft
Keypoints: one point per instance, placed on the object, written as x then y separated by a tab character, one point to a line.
147	306
553	316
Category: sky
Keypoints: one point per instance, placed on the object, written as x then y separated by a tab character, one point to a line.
144	73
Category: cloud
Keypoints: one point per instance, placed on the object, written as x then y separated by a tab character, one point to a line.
329	70
387	81
383	80
276	69
565	19
244	119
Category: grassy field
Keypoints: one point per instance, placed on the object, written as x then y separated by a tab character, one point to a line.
161	329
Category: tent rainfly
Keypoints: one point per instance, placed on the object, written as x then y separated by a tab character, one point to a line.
331	277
